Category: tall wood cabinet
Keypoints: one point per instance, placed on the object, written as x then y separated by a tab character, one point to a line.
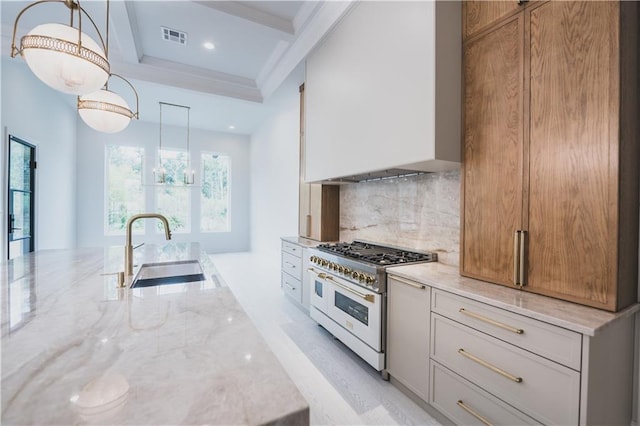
319	205
550	174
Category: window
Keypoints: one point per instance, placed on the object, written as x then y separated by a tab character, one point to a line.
214	198
124	192
174	198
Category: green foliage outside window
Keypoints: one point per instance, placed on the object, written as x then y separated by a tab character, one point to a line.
214	197
125	196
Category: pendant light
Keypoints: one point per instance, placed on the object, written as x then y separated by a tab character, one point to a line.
62	56
68	60
159	173
104	110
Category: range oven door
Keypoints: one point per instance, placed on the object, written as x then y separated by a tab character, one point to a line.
318	293
356	309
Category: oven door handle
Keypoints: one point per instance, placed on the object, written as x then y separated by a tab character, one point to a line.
368	297
320	275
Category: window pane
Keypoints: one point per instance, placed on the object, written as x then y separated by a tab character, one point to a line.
125	196
214	198
174	197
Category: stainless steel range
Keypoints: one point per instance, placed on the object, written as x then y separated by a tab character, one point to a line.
348	293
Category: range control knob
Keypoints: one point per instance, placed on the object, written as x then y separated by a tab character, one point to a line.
340	269
360	277
324	262
354	275
312	259
369	279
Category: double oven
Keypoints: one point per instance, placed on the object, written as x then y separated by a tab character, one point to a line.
348	293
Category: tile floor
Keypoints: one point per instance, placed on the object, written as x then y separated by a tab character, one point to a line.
341	388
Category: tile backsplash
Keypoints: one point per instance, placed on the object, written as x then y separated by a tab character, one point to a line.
419	212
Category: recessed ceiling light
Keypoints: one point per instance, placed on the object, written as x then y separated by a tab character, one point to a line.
208	45
232	127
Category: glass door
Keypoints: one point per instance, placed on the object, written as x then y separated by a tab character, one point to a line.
21	197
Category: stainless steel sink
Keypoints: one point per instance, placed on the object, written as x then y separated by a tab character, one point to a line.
162	273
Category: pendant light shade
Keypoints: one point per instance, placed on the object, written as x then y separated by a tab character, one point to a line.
52	53
106	111
68	60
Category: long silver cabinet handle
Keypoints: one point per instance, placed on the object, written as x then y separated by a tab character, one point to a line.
490	321
407	282
474	413
368	297
490	366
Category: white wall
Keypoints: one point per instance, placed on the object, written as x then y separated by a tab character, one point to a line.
275	168
91	178
46	118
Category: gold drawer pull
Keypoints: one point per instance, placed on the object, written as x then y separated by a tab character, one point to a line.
473	412
489	366
409	283
490	321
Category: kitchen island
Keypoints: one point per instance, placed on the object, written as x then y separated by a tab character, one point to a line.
76	349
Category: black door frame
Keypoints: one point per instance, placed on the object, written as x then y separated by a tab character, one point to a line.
32	197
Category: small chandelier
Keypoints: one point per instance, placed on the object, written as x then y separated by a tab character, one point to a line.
62	56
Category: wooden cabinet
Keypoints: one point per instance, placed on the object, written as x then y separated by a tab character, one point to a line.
319	205
408	334
481	14
493	146
550	181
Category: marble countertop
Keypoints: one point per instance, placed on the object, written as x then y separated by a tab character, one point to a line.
78	350
581	319
303	242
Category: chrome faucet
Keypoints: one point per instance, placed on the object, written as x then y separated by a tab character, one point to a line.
128	248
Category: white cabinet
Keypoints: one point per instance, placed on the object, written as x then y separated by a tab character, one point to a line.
382	91
488	364
294	263
408	334
540	388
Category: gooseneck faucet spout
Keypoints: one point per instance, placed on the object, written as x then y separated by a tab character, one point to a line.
128	248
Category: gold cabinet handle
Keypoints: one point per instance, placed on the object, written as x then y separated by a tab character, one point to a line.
516	256
474	413
522	257
490	366
368	297
490	321
407	282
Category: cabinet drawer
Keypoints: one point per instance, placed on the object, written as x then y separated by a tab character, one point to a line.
291	248
540	388
556	343
292	287
465	404
292	265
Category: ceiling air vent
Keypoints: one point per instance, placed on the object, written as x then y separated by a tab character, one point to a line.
175	36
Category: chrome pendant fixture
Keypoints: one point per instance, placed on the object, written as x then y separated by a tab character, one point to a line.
62	56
